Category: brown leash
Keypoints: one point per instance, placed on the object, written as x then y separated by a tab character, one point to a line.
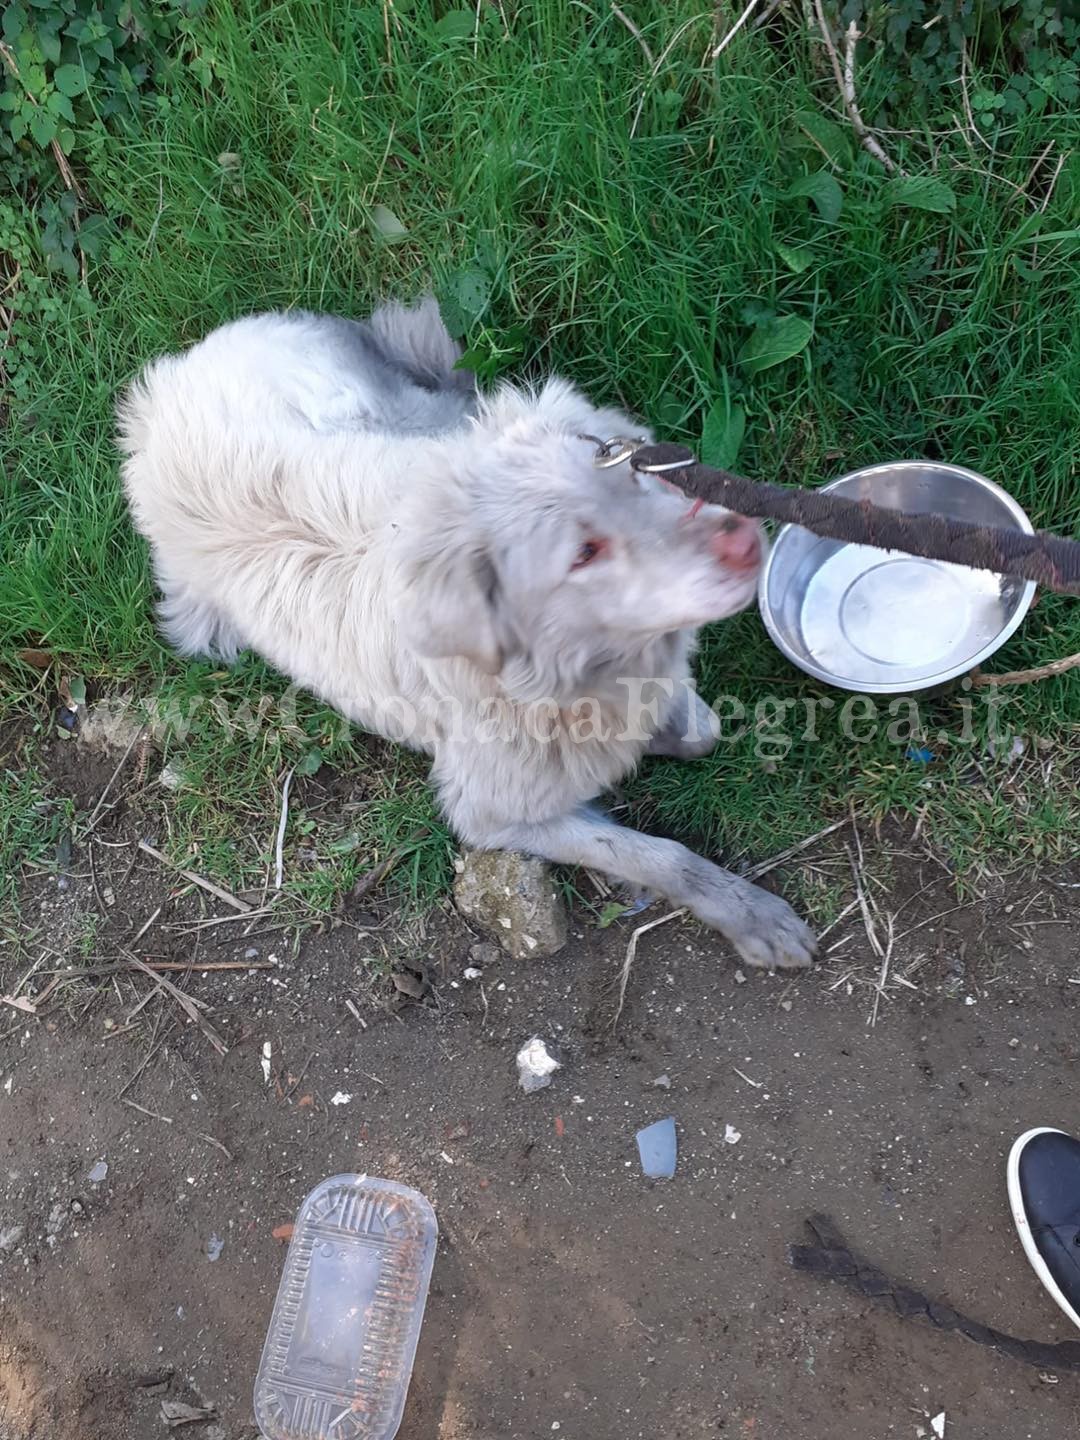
832	1259
1049	560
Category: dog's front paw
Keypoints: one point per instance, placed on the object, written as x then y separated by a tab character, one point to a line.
770	935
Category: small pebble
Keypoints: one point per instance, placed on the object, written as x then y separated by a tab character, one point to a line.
740	978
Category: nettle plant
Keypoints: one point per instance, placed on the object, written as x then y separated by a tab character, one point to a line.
1022	56
71	71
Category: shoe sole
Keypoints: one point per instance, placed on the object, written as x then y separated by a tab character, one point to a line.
1016	1202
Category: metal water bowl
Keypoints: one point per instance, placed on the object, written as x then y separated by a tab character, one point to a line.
880	621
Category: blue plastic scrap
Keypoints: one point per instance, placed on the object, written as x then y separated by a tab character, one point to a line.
658	1147
921	754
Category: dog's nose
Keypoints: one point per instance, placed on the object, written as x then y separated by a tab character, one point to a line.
737	544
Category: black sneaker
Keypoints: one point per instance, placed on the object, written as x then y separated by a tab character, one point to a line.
1044	1192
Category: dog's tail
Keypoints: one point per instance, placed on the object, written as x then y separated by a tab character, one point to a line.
158	494
415	338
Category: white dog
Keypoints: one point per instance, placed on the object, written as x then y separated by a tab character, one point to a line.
451	571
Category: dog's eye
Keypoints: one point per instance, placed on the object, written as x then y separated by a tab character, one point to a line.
588	553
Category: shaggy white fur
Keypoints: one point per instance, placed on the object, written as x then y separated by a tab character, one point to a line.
449	571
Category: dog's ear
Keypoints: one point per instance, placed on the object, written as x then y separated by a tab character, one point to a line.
450	603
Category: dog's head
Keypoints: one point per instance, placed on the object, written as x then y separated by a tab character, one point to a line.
539	566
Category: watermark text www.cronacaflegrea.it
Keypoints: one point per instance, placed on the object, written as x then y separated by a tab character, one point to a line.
773	724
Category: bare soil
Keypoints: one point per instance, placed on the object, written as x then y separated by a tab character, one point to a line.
571	1296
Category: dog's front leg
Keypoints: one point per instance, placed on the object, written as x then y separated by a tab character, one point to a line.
763	928
690	728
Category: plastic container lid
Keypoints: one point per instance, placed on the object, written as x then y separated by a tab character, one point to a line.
343	1333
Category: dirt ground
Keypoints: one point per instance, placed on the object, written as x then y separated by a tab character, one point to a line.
571	1296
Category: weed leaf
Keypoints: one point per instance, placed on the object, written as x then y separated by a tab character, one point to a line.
309	761
386	224
920	192
824	190
722	434
825	134
795	257
774	343
456	25
70	79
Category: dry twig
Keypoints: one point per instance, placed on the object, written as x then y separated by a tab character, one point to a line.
66	172
883	949
1025	677
28	1007
213	920
134	1105
303	1071
155	990
679	33
853	905
967	99
194	879
96	812
622	16
765	866
378	873
886	960
726	41
191	1007
146	926
631	951
845	83
279	860
216	1144
83	972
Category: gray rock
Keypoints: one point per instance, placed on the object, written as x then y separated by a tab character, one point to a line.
11	1236
171	778
536	1065
513	898
176	1413
484	954
59	1215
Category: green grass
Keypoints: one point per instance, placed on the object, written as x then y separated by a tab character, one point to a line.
638	267
32	821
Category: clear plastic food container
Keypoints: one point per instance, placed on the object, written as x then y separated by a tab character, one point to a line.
343	1333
